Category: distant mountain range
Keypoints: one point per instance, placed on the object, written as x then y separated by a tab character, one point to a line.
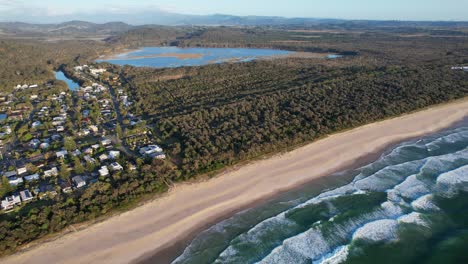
150	19
159	17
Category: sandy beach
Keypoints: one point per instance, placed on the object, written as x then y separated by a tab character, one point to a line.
188	207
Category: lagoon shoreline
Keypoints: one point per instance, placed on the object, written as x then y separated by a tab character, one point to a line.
158	231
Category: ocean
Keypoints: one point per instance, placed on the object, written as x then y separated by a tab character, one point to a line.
408	206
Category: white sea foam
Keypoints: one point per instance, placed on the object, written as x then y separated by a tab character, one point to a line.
389	176
454	180
411	188
338	256
413	218
425	203
298	249
391	209
380	230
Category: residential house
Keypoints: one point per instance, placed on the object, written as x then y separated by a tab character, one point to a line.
10	201
115	166
26	196
148	150
158	155
32	177
94	129
44	145
103	171
89	159
45	188
114	154
76	153
65	186
21	170
51	173
88	151
103	157
34	143
106	142
79	181
61	154
15	181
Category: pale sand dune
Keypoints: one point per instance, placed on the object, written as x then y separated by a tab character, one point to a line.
187	207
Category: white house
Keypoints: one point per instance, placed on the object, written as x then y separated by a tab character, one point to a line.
21	170
148	150
114	154
103	157
115	166
106	142
51	173
10	201
103	171
61	154
26	196
14	181
97	71
79	181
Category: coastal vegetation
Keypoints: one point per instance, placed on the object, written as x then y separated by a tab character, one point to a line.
218	115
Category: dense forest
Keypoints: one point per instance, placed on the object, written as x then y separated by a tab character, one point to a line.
227	113
32	62
214	116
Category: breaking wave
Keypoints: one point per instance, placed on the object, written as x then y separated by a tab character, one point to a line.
402	189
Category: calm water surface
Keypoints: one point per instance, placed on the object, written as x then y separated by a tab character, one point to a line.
206	56
59	75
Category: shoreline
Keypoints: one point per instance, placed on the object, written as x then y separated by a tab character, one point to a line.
161	225
123	54
169	253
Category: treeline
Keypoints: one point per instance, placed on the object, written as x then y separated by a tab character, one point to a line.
227	113
30	62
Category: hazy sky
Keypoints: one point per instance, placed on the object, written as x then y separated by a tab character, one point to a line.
348	9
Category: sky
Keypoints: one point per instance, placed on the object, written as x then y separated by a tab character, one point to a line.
452	10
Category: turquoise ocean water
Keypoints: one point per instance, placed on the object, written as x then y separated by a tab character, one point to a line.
409	206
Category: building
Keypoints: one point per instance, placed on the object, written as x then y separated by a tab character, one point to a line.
51	173
148	150
158	155
103	172
106	142
10	201
103	157
34	143
21	170
115	166
65	186
26	196
79	181
61	154
114	154
15	181
32	177
88	159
